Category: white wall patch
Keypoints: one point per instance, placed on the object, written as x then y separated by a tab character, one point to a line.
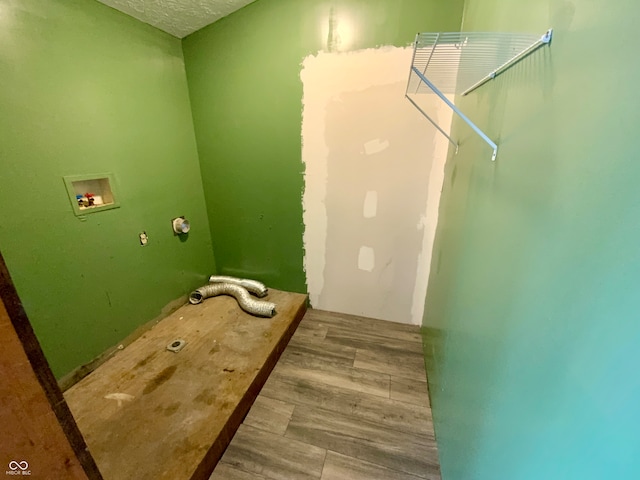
366	259
369	157
375	146
370	204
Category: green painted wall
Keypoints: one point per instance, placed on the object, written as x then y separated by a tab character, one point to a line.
86	89
246	97
533	296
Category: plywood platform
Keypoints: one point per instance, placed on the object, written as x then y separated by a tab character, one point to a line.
152	414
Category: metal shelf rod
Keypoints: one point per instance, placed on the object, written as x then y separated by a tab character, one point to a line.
544	40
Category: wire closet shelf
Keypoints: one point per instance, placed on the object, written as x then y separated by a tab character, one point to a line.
460	62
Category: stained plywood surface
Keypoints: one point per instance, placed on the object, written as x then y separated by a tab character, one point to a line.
152	414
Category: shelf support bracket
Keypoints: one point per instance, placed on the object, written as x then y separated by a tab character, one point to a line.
453	142
456	110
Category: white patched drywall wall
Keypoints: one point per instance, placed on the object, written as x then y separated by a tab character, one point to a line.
374	168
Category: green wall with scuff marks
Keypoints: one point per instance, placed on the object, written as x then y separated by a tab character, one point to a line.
87	89
532	314
245	88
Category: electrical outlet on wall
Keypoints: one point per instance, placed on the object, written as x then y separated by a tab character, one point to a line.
144	239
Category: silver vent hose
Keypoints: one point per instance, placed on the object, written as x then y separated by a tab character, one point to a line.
259	308
253	286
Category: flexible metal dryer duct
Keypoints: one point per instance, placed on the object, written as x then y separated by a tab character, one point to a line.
259	308
253	286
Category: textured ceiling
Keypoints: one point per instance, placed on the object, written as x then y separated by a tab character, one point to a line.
177	17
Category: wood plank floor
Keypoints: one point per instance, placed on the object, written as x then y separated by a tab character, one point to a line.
347	400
